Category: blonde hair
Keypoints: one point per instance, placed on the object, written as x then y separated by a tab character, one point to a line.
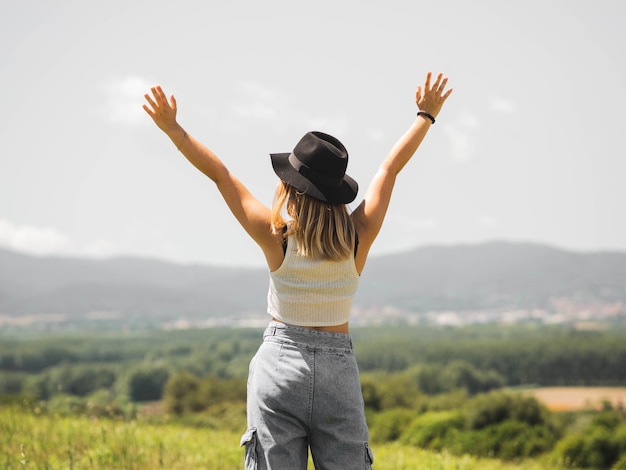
321	230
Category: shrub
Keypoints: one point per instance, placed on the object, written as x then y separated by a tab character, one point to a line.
595	449
384	391
620	464
146	383
506	440
433	429
608	419
66	405
463	375
371	396
388	425
184	392
177	390
446	401
11	382
496	407
427	378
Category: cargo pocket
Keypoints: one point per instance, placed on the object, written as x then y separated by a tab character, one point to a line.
369	457
249	441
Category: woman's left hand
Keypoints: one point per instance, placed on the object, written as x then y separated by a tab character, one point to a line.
162	111
431	98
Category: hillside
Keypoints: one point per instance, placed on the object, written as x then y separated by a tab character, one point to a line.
494	276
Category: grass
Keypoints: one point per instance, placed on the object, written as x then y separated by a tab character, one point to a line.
48	442
32	441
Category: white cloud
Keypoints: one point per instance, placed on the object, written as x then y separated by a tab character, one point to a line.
502	105
30	239
463	134
123	100
48	241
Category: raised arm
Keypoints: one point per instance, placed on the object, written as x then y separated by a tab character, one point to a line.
251	214
369	215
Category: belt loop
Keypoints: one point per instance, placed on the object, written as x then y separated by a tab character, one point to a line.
269	331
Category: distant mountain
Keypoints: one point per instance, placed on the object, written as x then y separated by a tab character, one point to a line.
488	276
495	275
74	286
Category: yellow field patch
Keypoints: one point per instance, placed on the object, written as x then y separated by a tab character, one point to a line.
579	398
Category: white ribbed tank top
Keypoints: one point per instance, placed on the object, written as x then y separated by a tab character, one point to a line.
312	292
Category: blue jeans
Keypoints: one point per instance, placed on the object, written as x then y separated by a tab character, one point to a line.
304	392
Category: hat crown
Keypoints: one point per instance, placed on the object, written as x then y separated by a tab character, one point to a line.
320	157
317	167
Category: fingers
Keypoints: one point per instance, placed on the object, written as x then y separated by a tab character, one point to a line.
418	94
438	86
159	94
173	102
158	100
433	94
148	110
442	86
149	100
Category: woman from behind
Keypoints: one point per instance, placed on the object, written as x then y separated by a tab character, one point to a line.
303	384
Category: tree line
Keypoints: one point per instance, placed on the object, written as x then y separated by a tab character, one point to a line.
477	358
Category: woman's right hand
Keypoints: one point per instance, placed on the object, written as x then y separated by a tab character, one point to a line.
162	111
431	98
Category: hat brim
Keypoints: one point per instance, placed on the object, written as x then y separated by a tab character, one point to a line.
345	193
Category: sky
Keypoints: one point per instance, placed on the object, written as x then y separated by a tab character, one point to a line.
528	148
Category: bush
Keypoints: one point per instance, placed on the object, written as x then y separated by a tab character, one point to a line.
620	464
496	407
78	380
369	389
384	391
11	383
146	383
177	391
608	419
433	429
427	378
463	375
506	440
595	449
388	425
186	393
446	401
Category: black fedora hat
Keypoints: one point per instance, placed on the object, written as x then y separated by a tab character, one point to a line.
317	167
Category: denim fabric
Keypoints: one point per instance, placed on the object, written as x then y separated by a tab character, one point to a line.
304	392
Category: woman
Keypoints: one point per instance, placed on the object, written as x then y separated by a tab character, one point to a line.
303	385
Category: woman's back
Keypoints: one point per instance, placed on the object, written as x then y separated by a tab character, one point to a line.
312	291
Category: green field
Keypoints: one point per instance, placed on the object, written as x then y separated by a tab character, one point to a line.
31	441
435	398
